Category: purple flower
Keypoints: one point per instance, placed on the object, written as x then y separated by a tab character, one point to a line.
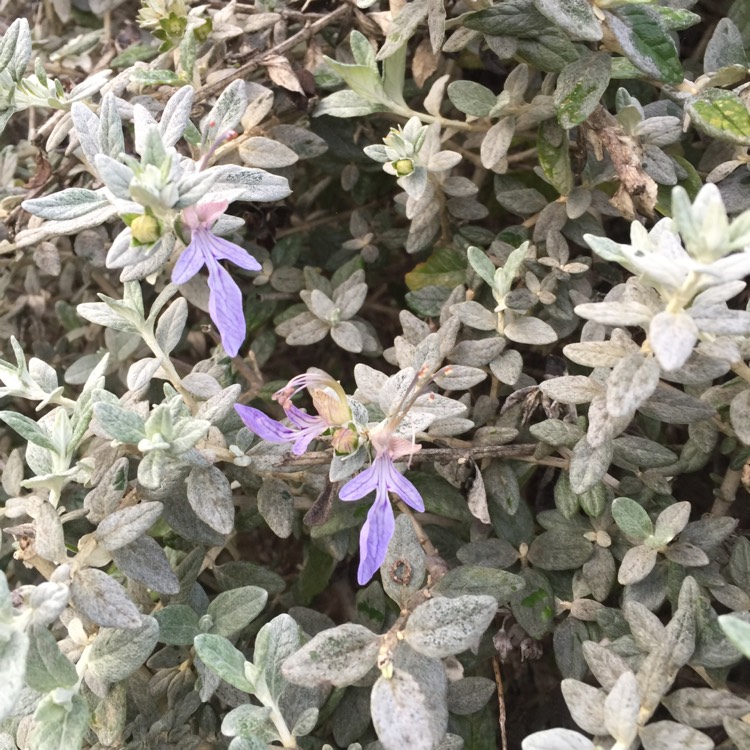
306	427
206	249
382	477
328	398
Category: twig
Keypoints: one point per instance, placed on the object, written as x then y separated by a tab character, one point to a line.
440	455
727	492
256	59
500	701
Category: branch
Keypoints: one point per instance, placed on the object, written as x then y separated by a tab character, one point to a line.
439	455
257	58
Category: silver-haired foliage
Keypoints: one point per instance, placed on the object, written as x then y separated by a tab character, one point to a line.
376	374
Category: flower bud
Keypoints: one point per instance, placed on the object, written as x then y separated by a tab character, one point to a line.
403	167
145	229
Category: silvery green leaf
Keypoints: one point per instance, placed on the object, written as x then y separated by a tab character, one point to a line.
226	113
738	732
117	653
46	667
28	429
87	128
589	464
530	330
664	735
686	554
600	353
110	127
346	335
15	48
210	497
47	601
621	709
306	144
615	313
671	521
725	47
641	452
115	175
233	610
340	656
403	569
672	337
128	524
719	319
144	561
59	726
122	424
636	565
176	115
171	325
252	723
141	373
256	184
459	377
571	389
507	367
658	165
630	383
494	149
303	329
275	642
478	352
276	505
632	519
216	408
471	98
266	153
605	664
676	407
345	103
103	600
190	431
557	433
575	17
738	632
581	84
178	624
469	694
106	496
478	581
645	42
557	739
704	707
69	204
219	655
442	627
475	315
402	713
14	645
558	549
104	315
343	467
586	705
50	538
502	487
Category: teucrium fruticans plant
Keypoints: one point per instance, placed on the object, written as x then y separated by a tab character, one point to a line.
457	419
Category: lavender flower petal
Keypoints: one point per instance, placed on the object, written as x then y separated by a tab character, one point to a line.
190	261
374	538
361	485
263	426
399	484
225	307
223	249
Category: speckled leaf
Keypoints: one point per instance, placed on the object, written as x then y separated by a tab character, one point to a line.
576	17
645	42
580	87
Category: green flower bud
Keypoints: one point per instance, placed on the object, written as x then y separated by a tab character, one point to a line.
403	167
145	229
